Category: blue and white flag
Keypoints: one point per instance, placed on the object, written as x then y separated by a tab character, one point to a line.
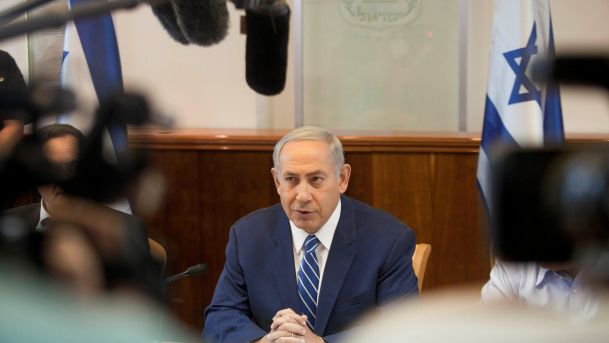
91	68
518	112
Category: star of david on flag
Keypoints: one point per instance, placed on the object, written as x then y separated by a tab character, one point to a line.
91	68
518	112
520	69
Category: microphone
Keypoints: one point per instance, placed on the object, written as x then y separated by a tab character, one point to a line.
266	49
205	22
195	270
201	22
166	15
578	70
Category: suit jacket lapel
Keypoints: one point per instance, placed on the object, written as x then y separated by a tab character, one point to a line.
34	217
339	261
282	258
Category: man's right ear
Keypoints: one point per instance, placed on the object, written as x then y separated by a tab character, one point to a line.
275	177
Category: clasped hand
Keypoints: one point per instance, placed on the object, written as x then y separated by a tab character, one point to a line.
288	326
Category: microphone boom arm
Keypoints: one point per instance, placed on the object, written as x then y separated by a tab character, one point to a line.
20	9
77	12
195	270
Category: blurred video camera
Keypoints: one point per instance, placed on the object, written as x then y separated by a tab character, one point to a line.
552	204
95	175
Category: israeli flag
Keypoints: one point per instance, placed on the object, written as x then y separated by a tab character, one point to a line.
518	112
91	68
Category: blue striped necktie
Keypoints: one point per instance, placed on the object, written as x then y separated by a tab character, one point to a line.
308	280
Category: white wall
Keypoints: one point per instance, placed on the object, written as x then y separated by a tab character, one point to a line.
479	40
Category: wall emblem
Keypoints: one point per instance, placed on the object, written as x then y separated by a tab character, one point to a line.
380	13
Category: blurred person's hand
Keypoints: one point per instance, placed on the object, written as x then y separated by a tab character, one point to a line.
106	226
71	259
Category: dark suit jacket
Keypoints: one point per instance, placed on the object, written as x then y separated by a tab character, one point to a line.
134	265
369	264
28	214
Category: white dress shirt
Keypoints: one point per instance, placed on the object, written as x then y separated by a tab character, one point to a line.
43	215
537	286
324	235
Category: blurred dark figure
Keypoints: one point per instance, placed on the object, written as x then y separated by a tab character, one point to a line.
72	237
11	121
55	279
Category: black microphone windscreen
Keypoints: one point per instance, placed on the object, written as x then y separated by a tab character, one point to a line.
266	51
203	22
166	15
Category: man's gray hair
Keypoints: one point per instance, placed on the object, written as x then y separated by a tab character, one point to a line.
312	133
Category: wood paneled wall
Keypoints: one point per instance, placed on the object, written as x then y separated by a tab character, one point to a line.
214	178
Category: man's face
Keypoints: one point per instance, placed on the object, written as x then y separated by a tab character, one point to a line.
307	183
61	150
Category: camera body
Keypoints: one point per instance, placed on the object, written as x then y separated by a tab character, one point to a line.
550	205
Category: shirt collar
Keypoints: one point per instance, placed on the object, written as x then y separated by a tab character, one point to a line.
121	205
325	234
43	215
545	273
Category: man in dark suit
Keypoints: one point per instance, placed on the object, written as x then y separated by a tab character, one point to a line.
120	238
306	269
60	146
